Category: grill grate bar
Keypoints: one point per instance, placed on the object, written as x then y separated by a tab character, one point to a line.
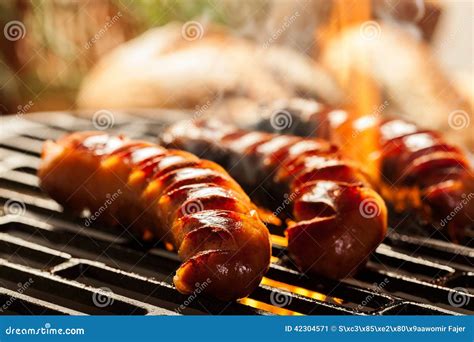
79	297
66	258
15	303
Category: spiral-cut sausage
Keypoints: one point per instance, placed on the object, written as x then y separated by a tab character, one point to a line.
164	194
415	170
336	219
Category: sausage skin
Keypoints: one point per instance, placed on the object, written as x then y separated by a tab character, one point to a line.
336	219
416	170
171	195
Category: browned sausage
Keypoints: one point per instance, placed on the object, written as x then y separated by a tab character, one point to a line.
164	194
337	219
416	170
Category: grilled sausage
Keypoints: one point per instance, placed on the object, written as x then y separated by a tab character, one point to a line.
164	194
336	219
414	169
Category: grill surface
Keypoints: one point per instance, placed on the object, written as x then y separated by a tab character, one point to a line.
51	263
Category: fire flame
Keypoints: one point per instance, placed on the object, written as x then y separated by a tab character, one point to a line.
290	288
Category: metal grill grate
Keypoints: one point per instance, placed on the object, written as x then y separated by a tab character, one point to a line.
51	263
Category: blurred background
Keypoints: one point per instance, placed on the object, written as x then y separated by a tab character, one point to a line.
413	57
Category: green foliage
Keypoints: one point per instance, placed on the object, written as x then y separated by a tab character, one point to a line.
151	13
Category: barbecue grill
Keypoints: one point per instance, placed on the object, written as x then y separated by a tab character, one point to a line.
52	263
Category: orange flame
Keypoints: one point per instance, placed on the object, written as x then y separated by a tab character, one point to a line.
290	288
268	307
301	291
279	240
